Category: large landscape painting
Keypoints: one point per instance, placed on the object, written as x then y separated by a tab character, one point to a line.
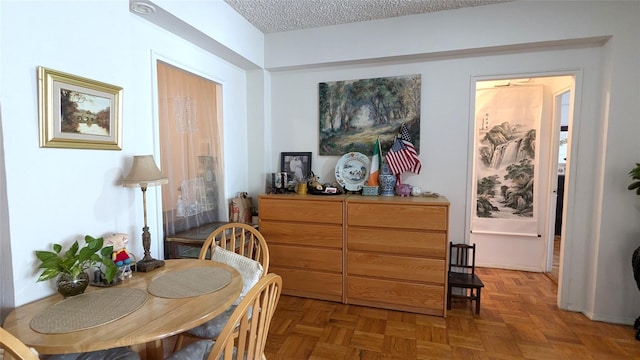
354	113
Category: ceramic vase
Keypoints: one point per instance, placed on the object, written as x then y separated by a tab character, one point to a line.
70	286
387	181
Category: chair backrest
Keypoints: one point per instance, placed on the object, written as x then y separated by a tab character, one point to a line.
241	238
245	333
462	258
14	348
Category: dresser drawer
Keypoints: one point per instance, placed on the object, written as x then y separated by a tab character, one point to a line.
303	210
415	243
305	258
403	216
302	234
312	284
390	294
396	267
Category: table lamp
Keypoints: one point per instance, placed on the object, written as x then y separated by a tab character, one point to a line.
144	173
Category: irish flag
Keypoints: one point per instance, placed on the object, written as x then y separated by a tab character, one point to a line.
375	165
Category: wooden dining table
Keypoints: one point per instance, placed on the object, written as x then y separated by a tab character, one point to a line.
156	319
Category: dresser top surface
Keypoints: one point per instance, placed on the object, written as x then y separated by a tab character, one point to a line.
353	198
295	196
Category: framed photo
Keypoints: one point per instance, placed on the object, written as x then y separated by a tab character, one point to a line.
78	113
297	165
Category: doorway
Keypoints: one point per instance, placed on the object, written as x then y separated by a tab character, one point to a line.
519	238
562	115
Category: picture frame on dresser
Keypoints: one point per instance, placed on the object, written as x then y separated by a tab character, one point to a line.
297	165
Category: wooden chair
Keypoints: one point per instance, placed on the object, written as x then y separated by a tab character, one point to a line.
241	238
16	349
245	334
244	240
462	274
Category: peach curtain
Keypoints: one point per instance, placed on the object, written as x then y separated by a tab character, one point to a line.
191	148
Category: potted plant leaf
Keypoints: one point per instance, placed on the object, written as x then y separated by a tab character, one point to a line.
635	258
635	175
70	268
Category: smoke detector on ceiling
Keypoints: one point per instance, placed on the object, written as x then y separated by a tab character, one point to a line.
142	8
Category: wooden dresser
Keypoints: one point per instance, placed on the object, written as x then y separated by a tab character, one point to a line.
305	237
378	251
396	253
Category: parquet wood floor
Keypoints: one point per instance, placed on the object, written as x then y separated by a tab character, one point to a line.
555	268
519	319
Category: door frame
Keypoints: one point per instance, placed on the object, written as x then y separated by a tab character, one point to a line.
553	167
566	258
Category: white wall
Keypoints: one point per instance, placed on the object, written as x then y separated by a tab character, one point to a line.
597	40
6	271
446	123
508	26
259	130
213	25
59	195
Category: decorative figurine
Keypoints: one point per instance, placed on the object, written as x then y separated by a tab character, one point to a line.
120	254
403	190
314	183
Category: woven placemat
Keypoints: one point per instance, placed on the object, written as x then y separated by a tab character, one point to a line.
88	310
190	282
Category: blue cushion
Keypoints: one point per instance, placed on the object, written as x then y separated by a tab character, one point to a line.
211	329
121	353
198	350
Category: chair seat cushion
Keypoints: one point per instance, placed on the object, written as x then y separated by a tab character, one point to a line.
251	272
211	329
121	353
464	280
198	350
249	269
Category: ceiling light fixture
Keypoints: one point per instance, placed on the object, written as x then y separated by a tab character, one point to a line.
142	8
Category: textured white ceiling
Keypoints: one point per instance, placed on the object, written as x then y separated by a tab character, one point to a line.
271	16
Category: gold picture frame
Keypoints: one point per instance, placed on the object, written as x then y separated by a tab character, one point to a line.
78	113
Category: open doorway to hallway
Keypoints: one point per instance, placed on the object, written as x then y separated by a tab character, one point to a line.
515	189
562	113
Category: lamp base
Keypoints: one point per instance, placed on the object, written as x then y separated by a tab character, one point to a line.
148	265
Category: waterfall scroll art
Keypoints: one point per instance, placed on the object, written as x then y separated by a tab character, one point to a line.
507	121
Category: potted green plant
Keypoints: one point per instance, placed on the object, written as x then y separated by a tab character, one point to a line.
635	175
70	268
635	258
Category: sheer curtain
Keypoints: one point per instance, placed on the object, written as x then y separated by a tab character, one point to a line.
190	149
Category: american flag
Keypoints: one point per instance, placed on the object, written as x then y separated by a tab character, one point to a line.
403	156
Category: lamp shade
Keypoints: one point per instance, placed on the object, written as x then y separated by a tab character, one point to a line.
144	172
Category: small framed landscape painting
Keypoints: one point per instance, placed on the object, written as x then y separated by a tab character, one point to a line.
78	113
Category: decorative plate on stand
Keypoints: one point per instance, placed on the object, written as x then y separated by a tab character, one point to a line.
352	171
